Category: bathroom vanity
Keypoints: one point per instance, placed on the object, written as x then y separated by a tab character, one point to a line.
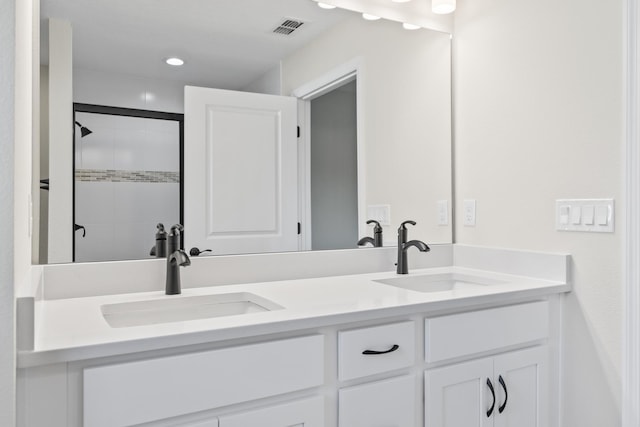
478	329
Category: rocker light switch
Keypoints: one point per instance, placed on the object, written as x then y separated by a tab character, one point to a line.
576	215
588	214
564	214
602	212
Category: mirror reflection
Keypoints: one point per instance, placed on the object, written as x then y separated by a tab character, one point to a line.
372	101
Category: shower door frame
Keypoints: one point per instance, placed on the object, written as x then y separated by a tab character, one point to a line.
125	112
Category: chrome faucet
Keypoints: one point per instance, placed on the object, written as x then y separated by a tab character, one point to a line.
403	245
376	240
176	258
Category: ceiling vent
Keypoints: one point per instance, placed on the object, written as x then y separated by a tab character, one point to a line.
288	26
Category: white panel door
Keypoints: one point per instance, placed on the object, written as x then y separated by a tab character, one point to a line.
387	403
301	413
240	171
458	395
522	400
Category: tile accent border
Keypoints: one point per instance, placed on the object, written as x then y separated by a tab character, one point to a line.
110	175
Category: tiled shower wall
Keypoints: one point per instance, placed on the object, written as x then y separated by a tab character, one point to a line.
127	180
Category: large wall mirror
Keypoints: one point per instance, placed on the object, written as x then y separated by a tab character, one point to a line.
373	100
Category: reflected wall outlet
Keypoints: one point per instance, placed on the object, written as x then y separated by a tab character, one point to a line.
443	212
470	212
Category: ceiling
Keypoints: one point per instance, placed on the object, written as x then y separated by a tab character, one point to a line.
225	43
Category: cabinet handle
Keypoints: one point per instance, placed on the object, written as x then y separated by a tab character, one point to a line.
506	395
392	349
493	395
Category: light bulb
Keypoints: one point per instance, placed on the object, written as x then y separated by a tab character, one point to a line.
370	17
176	62
408	26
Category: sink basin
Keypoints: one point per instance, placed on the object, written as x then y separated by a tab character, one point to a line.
180	309
439	282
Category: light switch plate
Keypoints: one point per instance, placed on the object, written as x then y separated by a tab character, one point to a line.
469	212
590	215
380	213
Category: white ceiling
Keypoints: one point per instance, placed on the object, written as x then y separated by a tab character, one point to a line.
225	43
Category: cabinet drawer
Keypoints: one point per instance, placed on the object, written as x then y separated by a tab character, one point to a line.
385	403
457	335
304	413
381	342
147	390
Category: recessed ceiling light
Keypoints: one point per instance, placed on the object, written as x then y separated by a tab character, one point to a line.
442	7
326	6
370	17
176	62
407	26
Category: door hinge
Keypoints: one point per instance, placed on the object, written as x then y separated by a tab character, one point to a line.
298	131
299	228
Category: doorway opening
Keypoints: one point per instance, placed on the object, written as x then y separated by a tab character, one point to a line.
334	169
331	160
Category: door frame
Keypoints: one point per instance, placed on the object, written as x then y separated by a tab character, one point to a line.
631	327
126	112
332	79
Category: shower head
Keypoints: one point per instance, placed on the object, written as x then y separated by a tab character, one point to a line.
83	130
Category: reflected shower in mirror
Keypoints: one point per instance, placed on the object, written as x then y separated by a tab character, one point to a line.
375	145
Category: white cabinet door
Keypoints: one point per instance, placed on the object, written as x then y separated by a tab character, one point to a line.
458	395
240	171
301	413
387	403
522	393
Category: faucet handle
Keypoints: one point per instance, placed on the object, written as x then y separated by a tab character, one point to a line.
403	226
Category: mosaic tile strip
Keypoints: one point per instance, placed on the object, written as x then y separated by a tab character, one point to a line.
109	175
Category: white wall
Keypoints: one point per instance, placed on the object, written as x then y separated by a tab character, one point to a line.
19	44
127	91
538	117
269	83
7	316
60	216
406	137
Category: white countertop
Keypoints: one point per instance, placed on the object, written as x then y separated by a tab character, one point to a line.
75	329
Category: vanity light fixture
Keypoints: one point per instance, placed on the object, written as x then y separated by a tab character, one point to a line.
176	62
370	17
408	26
326	6
442	7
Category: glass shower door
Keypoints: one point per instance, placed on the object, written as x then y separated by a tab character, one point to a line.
127	179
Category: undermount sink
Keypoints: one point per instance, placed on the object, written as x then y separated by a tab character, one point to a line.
180	309
439	282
